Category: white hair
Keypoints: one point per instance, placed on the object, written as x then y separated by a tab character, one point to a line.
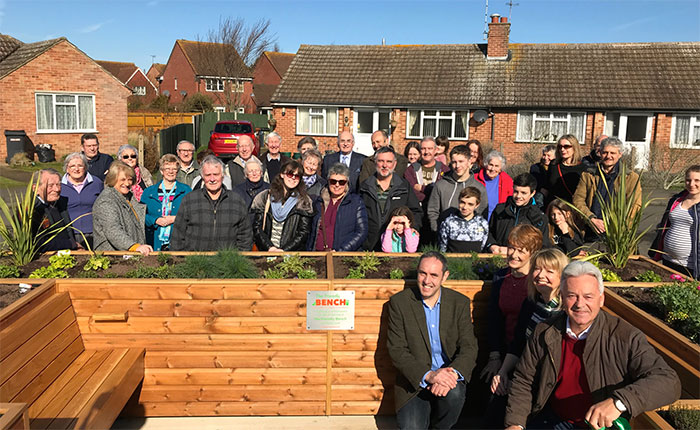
212	159
495	154
273	134
581	268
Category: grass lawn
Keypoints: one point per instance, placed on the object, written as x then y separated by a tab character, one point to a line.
58	165
8	183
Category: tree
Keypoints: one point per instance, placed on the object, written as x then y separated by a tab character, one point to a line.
228	54
198	103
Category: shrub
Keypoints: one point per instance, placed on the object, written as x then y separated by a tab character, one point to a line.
198	103
360	266
683	417
680	302
396	274
293	265
9	271
164	258
226	264
485	269
461	268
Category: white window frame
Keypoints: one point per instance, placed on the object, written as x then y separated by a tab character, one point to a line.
140	90
521	139
219	109
324	112
210	84
237	86
438	116
694	122
54	130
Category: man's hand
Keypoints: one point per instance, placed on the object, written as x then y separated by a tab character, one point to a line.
418	187
445	376
439	390
602	414
599	224
514	428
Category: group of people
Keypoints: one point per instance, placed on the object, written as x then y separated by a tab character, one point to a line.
459	200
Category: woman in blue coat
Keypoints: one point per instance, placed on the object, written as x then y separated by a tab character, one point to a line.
162	201
340	223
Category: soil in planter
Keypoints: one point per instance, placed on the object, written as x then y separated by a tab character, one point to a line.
318	264
641	297
635	268
9	293
406	264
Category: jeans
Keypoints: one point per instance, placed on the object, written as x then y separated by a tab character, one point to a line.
426	410
550	421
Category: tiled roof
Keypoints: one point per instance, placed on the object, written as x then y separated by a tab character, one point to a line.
604	75
121	71
160	67
262	94
280	61
210	59
12	59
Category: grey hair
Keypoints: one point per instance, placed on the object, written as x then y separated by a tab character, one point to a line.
251	161
612	141
495	154
182	142
339	169
351	135
73	155
312	153
212	159
581	268
124	148
428	139
248	137
273	134
49	171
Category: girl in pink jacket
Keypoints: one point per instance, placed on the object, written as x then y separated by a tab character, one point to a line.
400	235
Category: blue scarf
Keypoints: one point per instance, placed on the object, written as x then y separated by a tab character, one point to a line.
280	210
310	180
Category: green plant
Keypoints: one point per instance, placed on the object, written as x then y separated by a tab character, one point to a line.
683	417
307	274
145	272
90	274
355	273
9	271
428	247
48	272
62	261
462	268
274	273
680	302
609	275
396	274
225	264
485	269
164	258
97	262
360	266
291	264
648	276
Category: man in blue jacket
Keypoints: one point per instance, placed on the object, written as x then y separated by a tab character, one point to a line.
98	163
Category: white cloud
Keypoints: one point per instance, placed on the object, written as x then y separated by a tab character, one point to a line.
92	28
634	23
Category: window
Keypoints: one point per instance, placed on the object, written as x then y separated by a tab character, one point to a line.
140	91
317	121
219	109
549	126
452	124
176	83
629	128
65	112
213	84
686	131
237	87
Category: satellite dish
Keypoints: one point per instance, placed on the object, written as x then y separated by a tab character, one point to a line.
480	116
166	93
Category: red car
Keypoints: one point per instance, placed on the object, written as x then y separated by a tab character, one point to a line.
224	139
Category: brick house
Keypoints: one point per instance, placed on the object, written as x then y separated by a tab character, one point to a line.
154	73
268	72
213	69
143	90
521	93
55	92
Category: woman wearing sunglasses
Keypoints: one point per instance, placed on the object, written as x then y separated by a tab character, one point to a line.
565	171
130	157
340	223
282	214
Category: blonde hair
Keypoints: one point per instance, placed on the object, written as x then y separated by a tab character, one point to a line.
548	258
576	159
115	169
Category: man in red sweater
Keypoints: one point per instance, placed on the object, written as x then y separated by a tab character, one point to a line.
586	365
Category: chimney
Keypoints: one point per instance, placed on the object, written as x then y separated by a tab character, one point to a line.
499	31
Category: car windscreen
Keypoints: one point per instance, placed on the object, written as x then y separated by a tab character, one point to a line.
232	128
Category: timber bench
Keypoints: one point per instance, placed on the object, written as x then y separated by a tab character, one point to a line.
43	363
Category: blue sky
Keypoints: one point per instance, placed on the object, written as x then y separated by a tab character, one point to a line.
131	30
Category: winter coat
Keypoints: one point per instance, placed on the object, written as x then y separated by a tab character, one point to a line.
409	240
53	217
356	160
98	165
505	184
315	190
445	195
350	230
400	194
562	181
117	225
587	187
412	176
657	246
186	176
154	210
295	231
618	361
235	169
80	203
264	160
507	215
369	166
203	224
566	243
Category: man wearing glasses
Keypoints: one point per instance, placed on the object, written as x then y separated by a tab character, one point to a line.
189	168
98	163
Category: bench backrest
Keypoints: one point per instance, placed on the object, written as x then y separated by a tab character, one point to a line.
42	341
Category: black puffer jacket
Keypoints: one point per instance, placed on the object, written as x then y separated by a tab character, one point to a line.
296	227
507	215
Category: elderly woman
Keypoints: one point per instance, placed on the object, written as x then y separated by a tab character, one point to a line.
130	156
80	189
162	201
340	223
565	171
118	217
253	185
311	161
499	185
283	214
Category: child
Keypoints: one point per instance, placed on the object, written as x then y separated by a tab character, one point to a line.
442	145
400	235
563	231
463	231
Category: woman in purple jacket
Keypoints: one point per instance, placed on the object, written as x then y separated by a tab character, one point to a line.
81	189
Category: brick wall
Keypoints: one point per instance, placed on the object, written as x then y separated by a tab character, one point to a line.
178	70
265	72
140	80
63	68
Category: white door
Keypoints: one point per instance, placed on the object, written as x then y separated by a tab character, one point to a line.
367	121
634	129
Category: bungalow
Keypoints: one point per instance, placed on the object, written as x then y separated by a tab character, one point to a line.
213	69
55	93
143	89
508	94
268	72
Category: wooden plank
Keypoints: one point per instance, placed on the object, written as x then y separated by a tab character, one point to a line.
24	327
13	416
683	403
203	409
223	359
26	303
361	376
356	408
36	343
110	317
234	376
650	421
378	359
355	342
208	342
367	392
232	393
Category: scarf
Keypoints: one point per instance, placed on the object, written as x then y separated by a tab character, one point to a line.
602	190
136	189
166	198
309	181
280	210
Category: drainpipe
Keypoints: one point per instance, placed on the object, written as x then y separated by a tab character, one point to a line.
493	125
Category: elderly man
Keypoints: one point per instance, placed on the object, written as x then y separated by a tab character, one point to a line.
50	219
345	155
189	168
591	188
594	156
272	159
235	168
98	163
212	217
380	139
384	192
432	345
586	365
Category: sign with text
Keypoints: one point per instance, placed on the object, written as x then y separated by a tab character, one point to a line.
330	310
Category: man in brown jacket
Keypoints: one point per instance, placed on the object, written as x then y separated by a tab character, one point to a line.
586	365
